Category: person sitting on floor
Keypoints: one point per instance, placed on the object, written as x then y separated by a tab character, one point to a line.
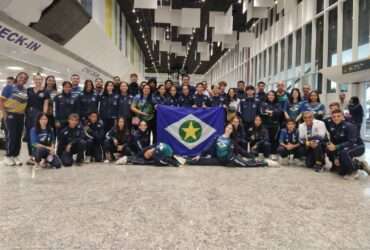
94	131
71	142
259	141
289	144
117	141
43	143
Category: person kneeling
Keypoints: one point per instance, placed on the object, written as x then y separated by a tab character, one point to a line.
289	146
259	140
71	142
43	142
94	131
345	144
117	141
312	135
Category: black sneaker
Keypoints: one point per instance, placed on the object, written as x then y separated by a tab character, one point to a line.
318	168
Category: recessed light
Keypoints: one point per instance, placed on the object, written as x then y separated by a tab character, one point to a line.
14	68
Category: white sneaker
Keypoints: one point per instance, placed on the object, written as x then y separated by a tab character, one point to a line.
17	161
122	161
8	161
283	161
106	161
274	157
87	159
298	163
180	159
260	157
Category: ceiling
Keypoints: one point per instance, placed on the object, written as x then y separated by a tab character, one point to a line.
163	62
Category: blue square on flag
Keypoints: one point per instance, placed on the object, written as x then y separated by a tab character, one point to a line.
189	131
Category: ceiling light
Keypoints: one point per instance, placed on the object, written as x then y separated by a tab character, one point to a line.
137	20
133	10
141	29
14	68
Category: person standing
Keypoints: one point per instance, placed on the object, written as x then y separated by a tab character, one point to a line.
133	88
261	94
124	104
109	106
13	103
200	100
76	89
241	89
37	102
64	105
51	88
357	112
88	101
249	108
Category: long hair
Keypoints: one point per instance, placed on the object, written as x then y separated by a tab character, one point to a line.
291	99
38	126
86	84
275	95
121	133
105	92
46	82
314	92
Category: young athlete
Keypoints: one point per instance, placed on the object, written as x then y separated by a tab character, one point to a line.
109	106
71	141
200	100
140	138
117	141
37	102
289	143
344	144
185	99
43	142
88	100
65	104
94	132
258	138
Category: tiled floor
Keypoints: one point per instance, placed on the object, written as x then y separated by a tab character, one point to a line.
138	207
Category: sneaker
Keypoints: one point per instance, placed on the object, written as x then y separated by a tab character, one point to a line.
298	163
364	166
180	159
122	161
274	157
8	161
271	163
17	161
106	161
360	175
260	157
318	168
283	161
30	162
87	159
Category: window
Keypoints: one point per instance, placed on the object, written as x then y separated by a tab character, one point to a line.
275	58
347	31
282	55
264	63
319	42
332	38
271	16
298	48
319	6
331	86
332	2
363	29
290	51
308	48
270	62
87	4
260	66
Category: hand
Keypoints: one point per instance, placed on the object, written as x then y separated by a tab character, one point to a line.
269	112
144	114
57	124
120	148
68	148
194	106
115	142
204	106
314	144
336	162
51	149
331	147
289	147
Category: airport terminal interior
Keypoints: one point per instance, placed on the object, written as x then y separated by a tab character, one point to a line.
233	159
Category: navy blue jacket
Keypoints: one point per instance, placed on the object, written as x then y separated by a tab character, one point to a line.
65	105
109	106
185	101
249	109
124	106
344	135
89	102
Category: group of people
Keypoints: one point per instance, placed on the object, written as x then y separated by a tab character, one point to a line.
116	121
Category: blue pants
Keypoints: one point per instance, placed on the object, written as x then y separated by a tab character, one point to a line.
43	153
110	148
345	156
77	148
14	124
315	156
30	122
